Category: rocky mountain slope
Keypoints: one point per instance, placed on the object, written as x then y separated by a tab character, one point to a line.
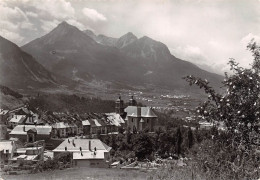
19	69
128	61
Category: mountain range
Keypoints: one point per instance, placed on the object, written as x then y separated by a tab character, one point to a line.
20	70
82	57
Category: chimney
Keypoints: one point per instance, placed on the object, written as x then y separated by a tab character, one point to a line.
89	145
139	111
80	148
65	148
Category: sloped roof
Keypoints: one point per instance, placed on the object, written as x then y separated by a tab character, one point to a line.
83	143
149	112
32	130
89	155
3	112
145	111
96	122
18	118
6	145
19	129
115	119
85	123
60	125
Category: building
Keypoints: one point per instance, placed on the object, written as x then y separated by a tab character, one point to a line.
105	125
140	118
120	106
135	117
86	152
62	129
16	120
6	150
115	122
132	101
3	127
31	133
30	153
4	116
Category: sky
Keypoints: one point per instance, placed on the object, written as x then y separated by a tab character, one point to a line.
204	32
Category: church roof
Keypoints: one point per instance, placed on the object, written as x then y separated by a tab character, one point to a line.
145	112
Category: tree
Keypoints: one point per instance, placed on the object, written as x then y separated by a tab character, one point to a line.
234	150
190	138
239	107
178	141
143	145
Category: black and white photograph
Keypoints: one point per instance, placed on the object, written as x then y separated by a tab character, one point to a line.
129	89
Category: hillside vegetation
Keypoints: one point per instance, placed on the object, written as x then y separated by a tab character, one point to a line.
71	103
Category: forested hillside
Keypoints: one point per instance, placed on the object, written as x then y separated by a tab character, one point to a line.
71	103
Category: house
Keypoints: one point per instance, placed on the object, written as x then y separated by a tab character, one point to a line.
62	129
3	127
29	153
6	151
115	122
110	123
140	118
16	120
86	127
4	116
86	152
31	133
22	115
32	119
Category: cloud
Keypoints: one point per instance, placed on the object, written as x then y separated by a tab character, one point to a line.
14	37
31	14
47	26
93	14
77	24
10	29
190	53
58	9
246	39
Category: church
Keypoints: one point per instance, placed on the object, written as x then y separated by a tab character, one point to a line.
136	118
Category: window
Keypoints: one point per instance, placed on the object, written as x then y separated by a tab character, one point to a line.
147	120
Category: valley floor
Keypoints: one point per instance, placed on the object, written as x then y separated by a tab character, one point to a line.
82	173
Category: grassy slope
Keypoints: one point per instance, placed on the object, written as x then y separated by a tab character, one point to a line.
83	173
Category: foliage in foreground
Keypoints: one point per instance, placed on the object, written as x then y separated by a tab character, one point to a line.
56	163
235	152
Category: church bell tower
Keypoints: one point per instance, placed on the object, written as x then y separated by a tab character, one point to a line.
120	106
